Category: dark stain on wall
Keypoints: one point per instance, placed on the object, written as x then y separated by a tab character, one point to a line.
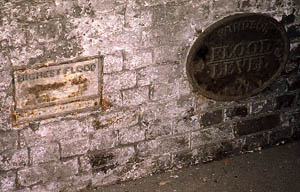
102	162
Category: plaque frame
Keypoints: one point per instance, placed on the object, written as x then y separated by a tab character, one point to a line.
200	41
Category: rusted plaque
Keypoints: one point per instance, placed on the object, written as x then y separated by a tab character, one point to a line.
52	89
237	57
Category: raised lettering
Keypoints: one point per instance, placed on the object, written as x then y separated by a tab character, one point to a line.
239	50
52	73
79	68
93	67
56	72
217	54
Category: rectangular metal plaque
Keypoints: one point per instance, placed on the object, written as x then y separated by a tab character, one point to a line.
53	89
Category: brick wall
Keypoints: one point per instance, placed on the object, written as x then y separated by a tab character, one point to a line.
149	119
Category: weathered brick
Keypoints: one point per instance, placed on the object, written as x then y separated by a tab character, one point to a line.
85	165
47	172
285	101
277	87
207	136
158	12
148	148
167	54
262	106
210	152
143	76
195	11
248	3
13	159
256	125
26	52
138	59
211	118
4	59
115	120
178	12
158	128
74	147
184	159
131	135
256	142
158	74
147	39
174	109
8	141
137	19
103	139
7	182
111	101
105	5
222	7
118	81
173	33
41	188
293	32
202	103
187	123
27	189
163	146
295	53
163	91
142	168
6	102
33	175
6	80
44	153
296	132
75	183
290	119
156	36
100	179
55	131
68	169
292	67
113	63
46	31
154	3
184	89
231	113
29	138
293	83
132	97
187	103
120	40
151	112
280	135
237	145
159	113
106	161
224	149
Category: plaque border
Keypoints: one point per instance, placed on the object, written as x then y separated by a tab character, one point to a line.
199	40
98	97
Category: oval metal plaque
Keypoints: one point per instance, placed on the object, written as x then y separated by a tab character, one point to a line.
237	56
